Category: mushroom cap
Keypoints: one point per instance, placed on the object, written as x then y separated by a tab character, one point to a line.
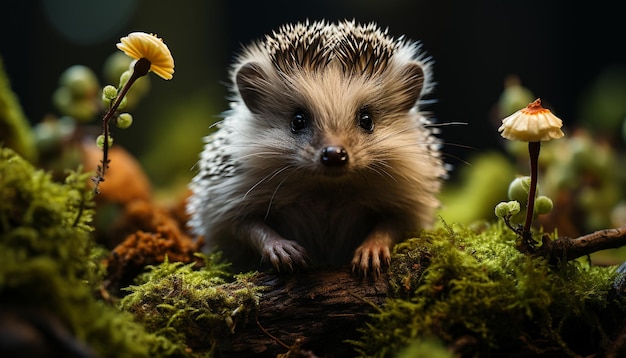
532	124
143	45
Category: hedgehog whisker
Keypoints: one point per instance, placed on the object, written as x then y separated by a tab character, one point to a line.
445	124
457	145
380	169
216	123
448	155
268	177
269	205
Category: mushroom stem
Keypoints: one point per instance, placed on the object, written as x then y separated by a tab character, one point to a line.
533	151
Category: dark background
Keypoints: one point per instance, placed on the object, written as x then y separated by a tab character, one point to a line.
557	49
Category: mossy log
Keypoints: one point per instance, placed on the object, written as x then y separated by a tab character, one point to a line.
313	312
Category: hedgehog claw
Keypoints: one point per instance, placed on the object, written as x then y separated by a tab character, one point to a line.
284	254
372	256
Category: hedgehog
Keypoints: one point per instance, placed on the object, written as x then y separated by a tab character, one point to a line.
325	156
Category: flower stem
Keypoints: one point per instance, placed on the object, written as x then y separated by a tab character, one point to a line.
141	68
533	151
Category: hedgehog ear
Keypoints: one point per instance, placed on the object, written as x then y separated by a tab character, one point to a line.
250	80
411	84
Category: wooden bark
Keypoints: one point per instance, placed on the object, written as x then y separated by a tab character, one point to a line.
569	249
319	308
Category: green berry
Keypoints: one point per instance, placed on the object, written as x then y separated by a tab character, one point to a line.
514	207
62	100
83	110
100	141
80	80
124	77
543	205
502	210
109	92
507	209
115	65
519	188
124	120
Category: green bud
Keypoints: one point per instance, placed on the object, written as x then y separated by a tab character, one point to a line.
124	77
109	92
507	209
543	205
519	188
62	100
80	80
514	207
502	210
124	120
100	141
115	65
83	110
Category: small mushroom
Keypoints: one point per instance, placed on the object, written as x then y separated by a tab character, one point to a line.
533	124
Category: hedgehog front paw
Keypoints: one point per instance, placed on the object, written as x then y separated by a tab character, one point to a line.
372	255
284	254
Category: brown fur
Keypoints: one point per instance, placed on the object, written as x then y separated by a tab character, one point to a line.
262	190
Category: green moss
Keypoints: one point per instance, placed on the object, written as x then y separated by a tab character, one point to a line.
15	131
455	283
43	220
50	266
429	348
192	307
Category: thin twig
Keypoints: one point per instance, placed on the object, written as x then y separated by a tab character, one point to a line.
141	68
568	249
265	331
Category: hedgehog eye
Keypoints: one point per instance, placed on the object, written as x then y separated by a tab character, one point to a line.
298	122
365	120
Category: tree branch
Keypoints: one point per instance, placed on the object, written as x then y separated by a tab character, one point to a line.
568	249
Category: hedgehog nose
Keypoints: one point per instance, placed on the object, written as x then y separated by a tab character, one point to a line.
334	156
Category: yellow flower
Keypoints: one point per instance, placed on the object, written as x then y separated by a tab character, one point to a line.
532	124
142	45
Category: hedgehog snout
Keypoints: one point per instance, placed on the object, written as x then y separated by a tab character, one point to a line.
334	156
